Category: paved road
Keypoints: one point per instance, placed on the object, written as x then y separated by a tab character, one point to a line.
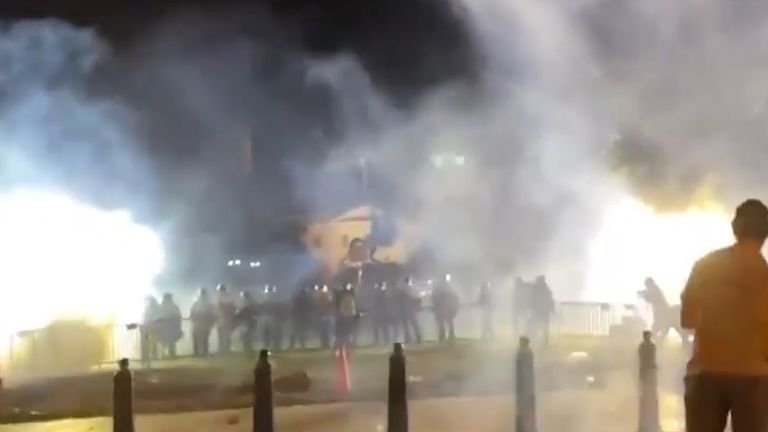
573	411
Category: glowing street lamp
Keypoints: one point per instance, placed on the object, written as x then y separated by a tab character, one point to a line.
445	160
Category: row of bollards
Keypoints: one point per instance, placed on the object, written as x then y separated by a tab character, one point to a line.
397	401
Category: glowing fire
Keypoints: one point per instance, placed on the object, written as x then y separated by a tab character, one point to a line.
635	242
60	258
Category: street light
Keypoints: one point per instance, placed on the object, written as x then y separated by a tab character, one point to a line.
445	160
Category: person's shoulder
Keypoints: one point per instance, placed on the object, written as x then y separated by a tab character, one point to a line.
714	257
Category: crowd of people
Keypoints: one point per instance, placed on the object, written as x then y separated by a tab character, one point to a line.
330	317
724	305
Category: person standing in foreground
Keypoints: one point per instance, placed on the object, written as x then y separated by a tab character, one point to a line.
725	303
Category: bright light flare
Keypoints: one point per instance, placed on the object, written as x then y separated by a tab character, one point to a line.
635	242
60	259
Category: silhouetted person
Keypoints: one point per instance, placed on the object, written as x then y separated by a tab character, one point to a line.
247	319
148	331
203	317
301	317
445	306
542	308
273	318
381	312
170	324
725	303
324	311
226	311
665	316
485	302
346	316
407	307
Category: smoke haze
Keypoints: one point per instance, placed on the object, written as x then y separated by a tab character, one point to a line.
558	107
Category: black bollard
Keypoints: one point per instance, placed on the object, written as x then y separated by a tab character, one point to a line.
263	416
525	388
648	415
122	399
397	403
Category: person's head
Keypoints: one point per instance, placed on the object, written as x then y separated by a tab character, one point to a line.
202	293
245	295
221	288
524	342
646	336
150	300
649	283
167	298
750	223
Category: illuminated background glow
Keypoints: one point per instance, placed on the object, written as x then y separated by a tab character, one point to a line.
634	242
64	259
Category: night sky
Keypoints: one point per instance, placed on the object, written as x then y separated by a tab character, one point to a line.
406	45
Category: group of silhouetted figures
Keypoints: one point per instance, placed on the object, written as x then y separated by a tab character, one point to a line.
314	315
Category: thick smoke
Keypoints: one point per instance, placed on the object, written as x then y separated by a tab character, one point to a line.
576	104
53	131
557	107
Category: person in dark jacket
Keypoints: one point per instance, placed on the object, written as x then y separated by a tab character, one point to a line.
247	319
274	316
226	311
382	314
324	310
346	316
407	305
203	317
301	317
445	306
169	325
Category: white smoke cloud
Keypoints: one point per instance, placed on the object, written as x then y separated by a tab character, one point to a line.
53	130
559	81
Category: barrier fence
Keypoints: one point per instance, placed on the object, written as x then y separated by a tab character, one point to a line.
397	399
124	341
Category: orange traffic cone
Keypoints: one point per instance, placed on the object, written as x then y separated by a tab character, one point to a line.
343	383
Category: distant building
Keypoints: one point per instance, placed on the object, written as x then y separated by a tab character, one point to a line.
348	238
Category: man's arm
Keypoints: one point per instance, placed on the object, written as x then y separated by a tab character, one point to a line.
690	307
